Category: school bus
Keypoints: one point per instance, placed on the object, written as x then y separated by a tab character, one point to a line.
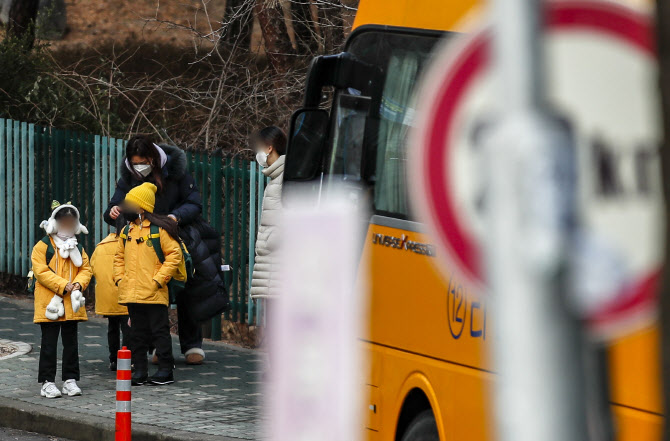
427	337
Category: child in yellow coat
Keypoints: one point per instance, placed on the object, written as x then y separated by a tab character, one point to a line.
142	280
107	296
62	272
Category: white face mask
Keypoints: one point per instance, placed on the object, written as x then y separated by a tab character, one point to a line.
262	159
143	169
64	233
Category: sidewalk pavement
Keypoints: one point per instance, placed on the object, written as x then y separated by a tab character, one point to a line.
220	400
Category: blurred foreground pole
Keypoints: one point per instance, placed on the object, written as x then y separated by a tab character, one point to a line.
314	324
531	190
663	41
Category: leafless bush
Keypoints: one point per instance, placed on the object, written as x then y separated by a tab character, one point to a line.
212	94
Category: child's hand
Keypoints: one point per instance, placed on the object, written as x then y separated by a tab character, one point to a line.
69	287
129	322
115	212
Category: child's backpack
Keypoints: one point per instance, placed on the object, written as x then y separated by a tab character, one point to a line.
185	269
32	280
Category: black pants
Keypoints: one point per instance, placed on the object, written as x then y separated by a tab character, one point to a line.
116	325
149	325
190	332
47	367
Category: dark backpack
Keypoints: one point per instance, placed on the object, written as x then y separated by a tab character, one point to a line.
177	283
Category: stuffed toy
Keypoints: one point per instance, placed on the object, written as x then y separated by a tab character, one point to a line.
55	308
78	300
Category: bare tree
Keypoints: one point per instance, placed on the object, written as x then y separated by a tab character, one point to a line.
304	26
237	24
275	34
21	22
331	23
209	97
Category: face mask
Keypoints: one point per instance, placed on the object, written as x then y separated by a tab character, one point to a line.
143	169
64	233
130	216
262	159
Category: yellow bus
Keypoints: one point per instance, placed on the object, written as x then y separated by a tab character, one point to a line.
427	337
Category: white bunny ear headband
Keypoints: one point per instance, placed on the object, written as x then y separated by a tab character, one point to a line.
50	225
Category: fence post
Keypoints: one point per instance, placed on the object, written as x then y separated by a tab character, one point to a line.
215	192
96	195
32	188
112	172
17	197
9	196
104	178
226	226
260	305
25	259
236	243
63	176
3	197
252	235
244	245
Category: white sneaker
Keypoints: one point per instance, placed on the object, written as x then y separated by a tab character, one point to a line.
49	390
71	389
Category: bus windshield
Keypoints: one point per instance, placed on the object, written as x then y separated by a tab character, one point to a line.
368	133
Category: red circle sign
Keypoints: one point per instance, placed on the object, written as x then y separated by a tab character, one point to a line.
448	89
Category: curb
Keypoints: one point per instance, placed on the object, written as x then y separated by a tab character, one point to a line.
65	424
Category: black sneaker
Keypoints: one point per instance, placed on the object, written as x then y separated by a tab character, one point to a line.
138	378
112	366
161	377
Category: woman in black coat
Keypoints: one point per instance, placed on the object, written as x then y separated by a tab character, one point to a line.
177	197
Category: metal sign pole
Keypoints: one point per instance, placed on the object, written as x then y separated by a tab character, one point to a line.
530	204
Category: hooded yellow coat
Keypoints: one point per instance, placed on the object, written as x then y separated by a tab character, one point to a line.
53	282
106	291
137	268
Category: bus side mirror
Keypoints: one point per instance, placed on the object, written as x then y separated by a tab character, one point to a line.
307	141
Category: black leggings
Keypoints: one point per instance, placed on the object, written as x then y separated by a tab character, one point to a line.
47	366
117	325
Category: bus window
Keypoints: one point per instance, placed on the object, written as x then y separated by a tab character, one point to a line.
400	57
349	116
395	115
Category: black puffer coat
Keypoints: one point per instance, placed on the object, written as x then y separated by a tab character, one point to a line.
206	289
180	196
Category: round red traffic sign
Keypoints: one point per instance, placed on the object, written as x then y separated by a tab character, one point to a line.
601	72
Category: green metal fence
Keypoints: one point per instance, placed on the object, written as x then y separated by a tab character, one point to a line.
38	165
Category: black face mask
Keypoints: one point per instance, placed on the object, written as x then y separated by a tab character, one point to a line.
131	216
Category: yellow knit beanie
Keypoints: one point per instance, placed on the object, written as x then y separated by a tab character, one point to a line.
144	196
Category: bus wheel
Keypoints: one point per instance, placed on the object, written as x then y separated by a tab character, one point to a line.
422	428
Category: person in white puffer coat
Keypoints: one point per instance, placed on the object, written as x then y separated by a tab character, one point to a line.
270	146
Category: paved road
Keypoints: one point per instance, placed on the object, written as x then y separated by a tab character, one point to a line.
221	397
20	435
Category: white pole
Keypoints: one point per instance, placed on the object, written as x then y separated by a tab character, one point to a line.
531	200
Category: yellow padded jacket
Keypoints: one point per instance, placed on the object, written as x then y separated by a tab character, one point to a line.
52	277
137	269
106	291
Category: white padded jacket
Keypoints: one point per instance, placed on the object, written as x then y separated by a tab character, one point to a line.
264	280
